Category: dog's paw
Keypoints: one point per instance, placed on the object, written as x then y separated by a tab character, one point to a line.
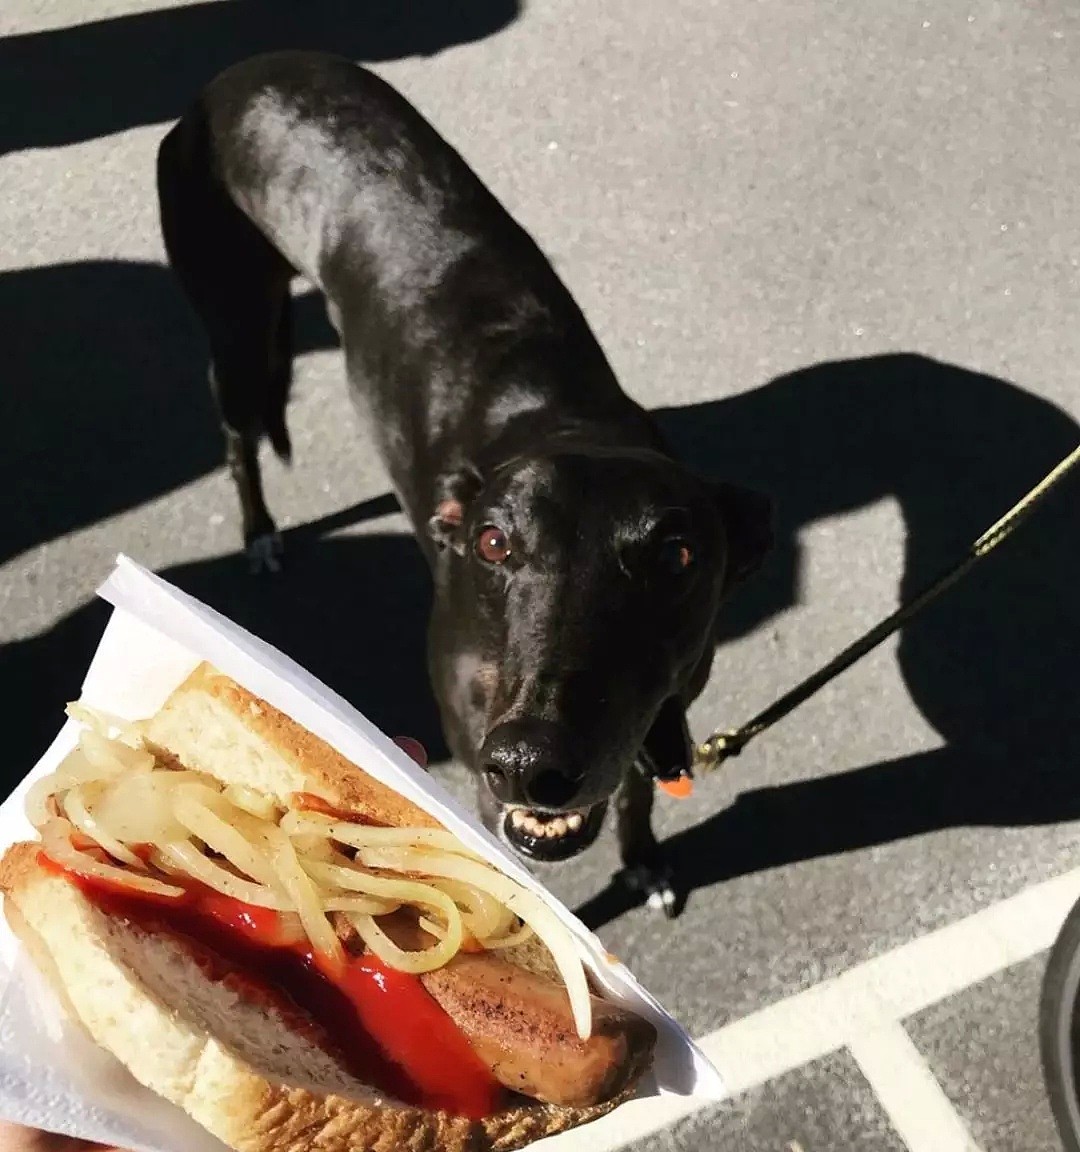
264	553
655	884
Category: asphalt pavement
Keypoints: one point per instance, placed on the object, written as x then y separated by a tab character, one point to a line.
838	246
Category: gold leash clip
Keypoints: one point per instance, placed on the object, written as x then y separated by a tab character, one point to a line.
719	747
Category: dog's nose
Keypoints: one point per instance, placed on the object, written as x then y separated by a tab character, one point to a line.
526	762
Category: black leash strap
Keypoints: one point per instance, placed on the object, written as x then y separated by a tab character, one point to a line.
720	745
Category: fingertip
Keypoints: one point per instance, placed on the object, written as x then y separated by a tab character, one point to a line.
412	748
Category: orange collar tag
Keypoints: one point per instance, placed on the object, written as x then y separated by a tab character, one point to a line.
680	788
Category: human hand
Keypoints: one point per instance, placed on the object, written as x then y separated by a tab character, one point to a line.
16	1138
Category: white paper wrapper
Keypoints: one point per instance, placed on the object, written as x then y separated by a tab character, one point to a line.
51	1075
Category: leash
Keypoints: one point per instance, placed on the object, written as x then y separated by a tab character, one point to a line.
723	744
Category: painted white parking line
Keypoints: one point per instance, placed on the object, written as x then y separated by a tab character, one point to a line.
920	1112
834	1014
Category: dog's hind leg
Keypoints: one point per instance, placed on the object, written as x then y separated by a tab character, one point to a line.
242	385
238	285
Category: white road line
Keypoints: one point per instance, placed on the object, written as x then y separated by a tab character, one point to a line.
831	1015
920	1112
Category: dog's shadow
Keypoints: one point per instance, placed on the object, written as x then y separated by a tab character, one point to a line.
991	667
351	609
65	85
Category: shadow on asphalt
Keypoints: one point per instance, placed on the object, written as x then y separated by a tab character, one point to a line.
108	405
351	609
992	667
62	86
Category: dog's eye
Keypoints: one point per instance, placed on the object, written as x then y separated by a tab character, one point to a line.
492	545
676	555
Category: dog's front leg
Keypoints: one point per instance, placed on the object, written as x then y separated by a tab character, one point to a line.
644	869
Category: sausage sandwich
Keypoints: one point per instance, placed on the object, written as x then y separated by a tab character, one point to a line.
295	954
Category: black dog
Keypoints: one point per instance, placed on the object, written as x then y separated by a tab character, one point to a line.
578	569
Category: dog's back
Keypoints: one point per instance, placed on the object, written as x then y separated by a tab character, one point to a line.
306	163
345	177
322	154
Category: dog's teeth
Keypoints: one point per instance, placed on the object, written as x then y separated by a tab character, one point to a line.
545	827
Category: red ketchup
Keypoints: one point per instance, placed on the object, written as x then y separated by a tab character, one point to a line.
311	802
382	1024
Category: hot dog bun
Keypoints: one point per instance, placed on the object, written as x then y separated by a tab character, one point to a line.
232	1062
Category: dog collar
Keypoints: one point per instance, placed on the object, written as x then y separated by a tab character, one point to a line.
680	787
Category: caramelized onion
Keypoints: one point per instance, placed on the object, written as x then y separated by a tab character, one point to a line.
528	907
56	842
140	817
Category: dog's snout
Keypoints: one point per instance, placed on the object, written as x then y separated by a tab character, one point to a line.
527	763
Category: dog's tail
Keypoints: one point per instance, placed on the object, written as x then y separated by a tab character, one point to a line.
277	433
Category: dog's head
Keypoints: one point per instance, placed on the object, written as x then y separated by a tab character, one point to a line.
575	603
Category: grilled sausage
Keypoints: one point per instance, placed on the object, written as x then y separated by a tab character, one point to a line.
521	1025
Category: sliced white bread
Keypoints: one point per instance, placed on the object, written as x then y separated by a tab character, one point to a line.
232	1063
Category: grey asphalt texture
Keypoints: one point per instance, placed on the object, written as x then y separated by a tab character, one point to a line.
837	245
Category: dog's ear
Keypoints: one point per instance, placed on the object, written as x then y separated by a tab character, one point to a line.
453	493
748	520
667	751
